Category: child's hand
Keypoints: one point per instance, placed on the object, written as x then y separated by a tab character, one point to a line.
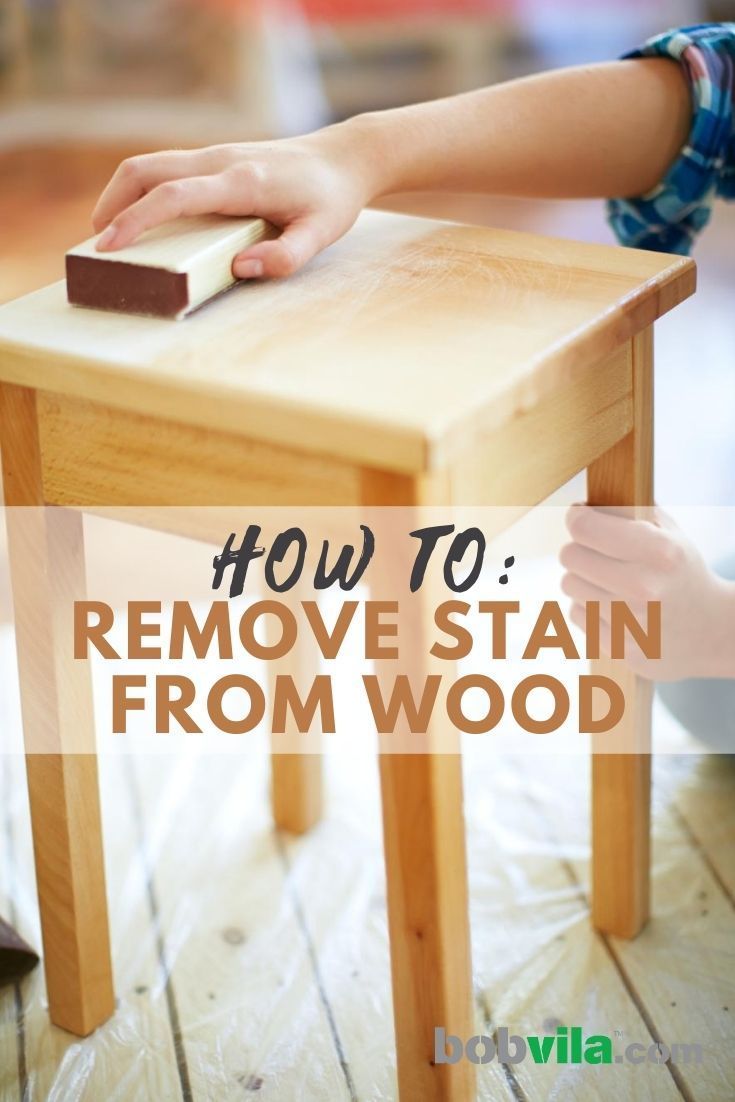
636	561
312	187
632	117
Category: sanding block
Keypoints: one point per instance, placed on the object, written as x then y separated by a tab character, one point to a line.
168	272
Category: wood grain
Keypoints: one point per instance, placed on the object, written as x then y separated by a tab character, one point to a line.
94	455
47	566
297	762
425	858
546	444
621	760
390	348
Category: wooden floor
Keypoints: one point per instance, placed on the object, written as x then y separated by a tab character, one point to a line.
253	966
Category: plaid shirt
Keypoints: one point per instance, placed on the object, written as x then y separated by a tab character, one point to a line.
669	217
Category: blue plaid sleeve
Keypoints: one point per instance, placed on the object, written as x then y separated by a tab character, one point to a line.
669	217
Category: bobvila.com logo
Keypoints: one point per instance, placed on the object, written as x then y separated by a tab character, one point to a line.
567	1045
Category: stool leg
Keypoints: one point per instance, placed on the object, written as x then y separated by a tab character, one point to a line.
621	782
428	917
296	775
621	787
423	832
296	791
47	571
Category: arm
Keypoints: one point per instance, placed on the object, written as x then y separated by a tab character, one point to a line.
597	130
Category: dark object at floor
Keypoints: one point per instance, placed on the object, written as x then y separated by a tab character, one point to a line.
16	958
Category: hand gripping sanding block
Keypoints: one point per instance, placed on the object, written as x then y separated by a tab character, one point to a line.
168	272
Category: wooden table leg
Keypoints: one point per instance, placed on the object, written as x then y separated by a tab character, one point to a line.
47	570
425	861
428	918
296	777
621	783
296	791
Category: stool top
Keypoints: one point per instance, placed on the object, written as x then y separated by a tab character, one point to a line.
393	348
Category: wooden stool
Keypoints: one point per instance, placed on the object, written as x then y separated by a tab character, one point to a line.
416	362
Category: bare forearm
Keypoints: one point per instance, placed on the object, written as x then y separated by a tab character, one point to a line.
597	130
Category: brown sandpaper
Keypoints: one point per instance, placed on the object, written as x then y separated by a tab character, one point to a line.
125	288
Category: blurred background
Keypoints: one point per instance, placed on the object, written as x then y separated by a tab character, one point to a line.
204	69
84	83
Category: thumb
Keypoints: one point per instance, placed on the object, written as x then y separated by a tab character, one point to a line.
283	255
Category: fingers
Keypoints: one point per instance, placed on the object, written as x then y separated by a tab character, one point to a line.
619	537
148	191
172	199
136	176
620	580
582	592
298	243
